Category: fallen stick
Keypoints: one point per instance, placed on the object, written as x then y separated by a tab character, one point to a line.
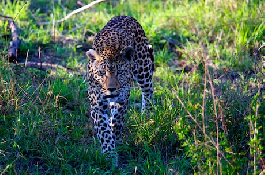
47	65
74	12
43	66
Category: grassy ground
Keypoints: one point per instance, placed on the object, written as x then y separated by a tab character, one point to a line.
209	112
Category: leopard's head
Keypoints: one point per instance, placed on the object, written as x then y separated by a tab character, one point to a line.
110	72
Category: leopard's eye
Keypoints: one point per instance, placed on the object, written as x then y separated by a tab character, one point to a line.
101	72
119	71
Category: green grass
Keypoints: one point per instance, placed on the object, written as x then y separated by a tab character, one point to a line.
204	121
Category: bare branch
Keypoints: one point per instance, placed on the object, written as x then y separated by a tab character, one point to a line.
74	12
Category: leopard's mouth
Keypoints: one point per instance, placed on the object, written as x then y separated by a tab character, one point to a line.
111	96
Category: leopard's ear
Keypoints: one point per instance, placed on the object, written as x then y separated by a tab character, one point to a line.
128	53
150	46
92	54
151	52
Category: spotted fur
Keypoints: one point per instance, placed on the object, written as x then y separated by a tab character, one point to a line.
120	53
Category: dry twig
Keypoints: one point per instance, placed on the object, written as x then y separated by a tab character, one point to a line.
74	12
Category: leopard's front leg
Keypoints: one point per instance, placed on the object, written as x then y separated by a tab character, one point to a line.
118	109
102	126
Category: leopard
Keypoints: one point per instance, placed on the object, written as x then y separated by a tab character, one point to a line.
120	54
